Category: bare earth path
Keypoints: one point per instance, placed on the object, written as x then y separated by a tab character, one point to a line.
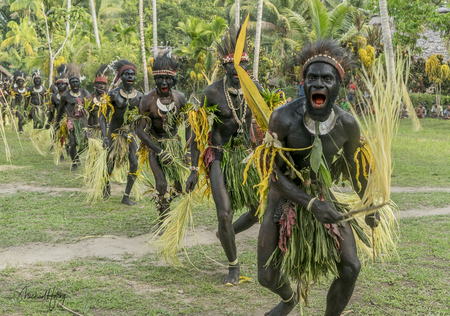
116	247
109	247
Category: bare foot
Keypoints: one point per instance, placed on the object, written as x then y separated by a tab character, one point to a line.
61	159
283	308
126	200
233	275
74	167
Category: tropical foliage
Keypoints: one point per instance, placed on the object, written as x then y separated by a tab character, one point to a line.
191	29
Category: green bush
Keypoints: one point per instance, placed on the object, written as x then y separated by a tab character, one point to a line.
428	99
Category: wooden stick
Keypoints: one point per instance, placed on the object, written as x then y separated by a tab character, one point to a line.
373	244
370	208
67	309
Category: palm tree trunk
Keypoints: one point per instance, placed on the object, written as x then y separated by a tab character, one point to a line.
69	5
237	18
386	29
155	33
141	31
94	23
257	39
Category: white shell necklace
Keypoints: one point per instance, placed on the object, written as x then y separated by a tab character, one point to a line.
132	95
37	90
75	95
324	127
21	91
164	107
231	106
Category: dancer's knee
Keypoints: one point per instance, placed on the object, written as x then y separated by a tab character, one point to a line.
161	186
350	270
266	278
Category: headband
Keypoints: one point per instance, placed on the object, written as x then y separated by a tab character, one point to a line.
230	58
125	68
20	77
101	79
325	59
164	72
65	80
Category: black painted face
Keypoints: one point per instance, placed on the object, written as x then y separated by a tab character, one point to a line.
37	81
62	86
128	77
322	82
100	87
163	85
20	83
74	84
232	76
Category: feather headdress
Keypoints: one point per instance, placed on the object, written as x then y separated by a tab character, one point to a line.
228	46
73	71
326	51
36	74
102	72
165	65
19	74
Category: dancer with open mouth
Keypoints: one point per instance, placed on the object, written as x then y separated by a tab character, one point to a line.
120	138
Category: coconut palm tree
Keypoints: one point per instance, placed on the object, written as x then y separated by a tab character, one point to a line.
155	31
257	38
94	22
141	31
237	19
325	24
386	29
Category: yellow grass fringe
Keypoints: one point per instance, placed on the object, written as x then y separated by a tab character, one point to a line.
95	170
57	147
5	141
263	159
170	237
42	139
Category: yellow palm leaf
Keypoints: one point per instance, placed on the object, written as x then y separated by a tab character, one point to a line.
251	93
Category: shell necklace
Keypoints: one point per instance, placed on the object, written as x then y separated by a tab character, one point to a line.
132	95
37	90
164	107
231	106
324	127
75	95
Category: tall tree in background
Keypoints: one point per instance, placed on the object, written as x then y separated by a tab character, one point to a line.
257	38
237	18
141	31
155	33
69	5
387	39
94	23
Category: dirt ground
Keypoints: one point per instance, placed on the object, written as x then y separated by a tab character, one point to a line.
115	247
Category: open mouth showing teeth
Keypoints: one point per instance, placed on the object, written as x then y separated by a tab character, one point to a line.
130	81
235	76
165	89
318	100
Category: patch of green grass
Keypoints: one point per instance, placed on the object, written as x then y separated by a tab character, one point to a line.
418	279
39	217
408	201
420	157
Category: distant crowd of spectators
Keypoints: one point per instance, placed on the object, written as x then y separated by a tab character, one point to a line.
436	111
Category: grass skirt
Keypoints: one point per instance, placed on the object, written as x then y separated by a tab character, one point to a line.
241	195
311	248
178	170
